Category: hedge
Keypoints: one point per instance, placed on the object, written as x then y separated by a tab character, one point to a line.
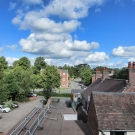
55	94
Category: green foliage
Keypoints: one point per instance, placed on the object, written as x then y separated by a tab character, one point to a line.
12	86
78	69
22	98
86	75
35	70
40	63
24	63
3	63
55	94
3	91
15	63
49	79
9	104
33	81
122	74
25	82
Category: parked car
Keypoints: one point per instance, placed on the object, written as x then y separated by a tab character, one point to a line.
84	87
31	94
15	105
4	109
53	90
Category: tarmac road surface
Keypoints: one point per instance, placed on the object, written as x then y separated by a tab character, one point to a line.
10	119
17	115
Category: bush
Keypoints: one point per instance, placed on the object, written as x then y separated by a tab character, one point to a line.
9	104
22	98
55	94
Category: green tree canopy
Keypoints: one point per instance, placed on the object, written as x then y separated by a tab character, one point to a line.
40	63
12	86
86	74
24	63
3	91
3	62
33	81
122	74
50	78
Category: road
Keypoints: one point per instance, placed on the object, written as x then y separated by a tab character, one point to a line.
10	120
73	85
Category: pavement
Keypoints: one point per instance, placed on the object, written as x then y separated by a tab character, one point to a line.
10	119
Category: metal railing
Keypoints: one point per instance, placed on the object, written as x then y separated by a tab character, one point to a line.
22	125
36	124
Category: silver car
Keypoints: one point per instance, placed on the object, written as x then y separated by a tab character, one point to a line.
4	109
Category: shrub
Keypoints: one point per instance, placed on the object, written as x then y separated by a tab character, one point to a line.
22	98
56	94
9	104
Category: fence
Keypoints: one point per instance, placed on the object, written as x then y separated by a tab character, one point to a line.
36	123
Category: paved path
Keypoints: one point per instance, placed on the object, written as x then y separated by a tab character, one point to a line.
10	119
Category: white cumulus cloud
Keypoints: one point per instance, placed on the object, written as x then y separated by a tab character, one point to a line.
124	51
97	57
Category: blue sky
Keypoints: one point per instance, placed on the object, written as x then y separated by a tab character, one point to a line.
96	32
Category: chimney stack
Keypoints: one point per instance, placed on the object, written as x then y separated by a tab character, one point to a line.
129	65
105	73
131	76
97	73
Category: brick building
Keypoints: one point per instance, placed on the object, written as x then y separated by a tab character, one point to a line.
112	113
64	78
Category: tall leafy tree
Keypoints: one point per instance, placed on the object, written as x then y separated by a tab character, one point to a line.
24	63
40	63
78	69
3	91
12	86
33	81
122	74
25	82
86	74
3	62
48	80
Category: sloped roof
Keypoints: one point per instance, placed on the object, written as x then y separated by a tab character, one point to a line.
106	85
115	111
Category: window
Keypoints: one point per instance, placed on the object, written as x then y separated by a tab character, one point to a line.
63	73
63	79
118	133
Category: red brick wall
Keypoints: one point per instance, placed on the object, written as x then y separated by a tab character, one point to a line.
92	118
131	77
64	78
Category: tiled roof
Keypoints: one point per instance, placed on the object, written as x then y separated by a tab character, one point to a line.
115	111
106	85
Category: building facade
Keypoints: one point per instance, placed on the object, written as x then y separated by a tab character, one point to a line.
64	78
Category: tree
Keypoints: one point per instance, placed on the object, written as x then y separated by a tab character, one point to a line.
48	80
33	81
24	63
15	63
12	86
40	63
3	91
35	70
25	82
122	74
86	74
79	68
3	62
